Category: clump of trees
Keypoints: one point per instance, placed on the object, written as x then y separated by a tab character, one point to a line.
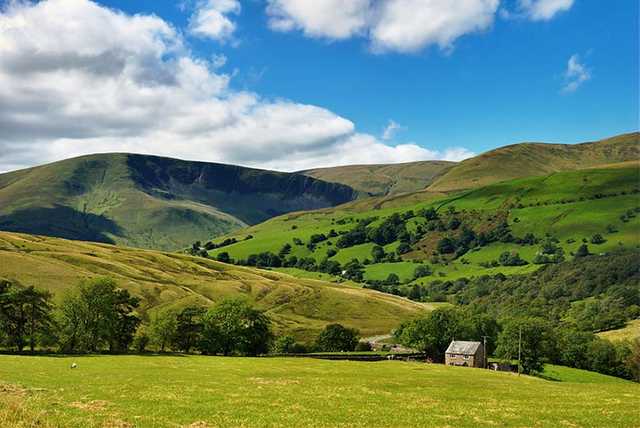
25	316
535	340
337	338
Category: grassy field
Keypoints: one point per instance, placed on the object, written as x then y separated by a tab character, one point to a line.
193	391
566	205
298	306
630	332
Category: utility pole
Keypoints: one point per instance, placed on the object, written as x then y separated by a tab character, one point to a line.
484	350
519	348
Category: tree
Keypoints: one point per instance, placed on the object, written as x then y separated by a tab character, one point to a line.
421	271
535	340
404	248
433	333
446	246
163	328
377	253
354	271
392	279
597	239
188	328
337	338
583	251
25	315
508	258
224	257
97	314
284	345
234	326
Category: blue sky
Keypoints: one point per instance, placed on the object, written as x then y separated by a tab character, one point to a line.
502	76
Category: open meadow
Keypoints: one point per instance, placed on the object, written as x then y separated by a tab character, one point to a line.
198	391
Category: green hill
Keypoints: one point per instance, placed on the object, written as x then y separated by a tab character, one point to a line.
536	159
199	391
301	307
386	179
570	207
152	202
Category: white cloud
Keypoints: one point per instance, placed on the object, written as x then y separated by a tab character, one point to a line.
211	19
543	10
332	19
410	25
391	130
78	78
576	74
390	25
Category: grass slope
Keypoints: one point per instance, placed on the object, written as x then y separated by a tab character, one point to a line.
385	179
193	391
299	306
629	332
535	159
152	202
565	205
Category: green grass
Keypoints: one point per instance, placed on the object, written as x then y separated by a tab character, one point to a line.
573	221
629	332
171	391
162	280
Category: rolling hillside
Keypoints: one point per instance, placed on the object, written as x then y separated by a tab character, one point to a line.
536	159
568	207
152	202
301	307
389	179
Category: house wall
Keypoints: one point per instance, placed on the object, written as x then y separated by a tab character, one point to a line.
476	360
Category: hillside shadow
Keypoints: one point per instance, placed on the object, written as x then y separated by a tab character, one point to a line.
61	222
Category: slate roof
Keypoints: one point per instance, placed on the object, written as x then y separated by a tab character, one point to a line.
463	347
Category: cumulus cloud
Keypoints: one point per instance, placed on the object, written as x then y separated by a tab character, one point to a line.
544	10
333	19
390	25
211	19
575	75
79	78
391	130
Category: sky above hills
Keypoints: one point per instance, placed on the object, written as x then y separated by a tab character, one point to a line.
295	84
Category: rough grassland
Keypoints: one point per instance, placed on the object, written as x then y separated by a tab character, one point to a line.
629	332
299	306
384	179
193	391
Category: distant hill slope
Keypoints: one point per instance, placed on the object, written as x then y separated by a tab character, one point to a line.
571	206
384	179
536	159
152	202
298	306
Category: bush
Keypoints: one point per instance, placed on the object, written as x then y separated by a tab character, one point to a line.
363	347
337	338
422	271
597	239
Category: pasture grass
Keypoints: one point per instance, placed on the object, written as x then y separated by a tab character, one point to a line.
198	391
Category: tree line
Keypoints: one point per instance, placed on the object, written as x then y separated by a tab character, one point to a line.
98	316
535	339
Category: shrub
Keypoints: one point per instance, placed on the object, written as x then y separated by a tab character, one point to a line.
337	338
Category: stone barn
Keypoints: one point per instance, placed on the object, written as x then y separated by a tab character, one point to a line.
463	353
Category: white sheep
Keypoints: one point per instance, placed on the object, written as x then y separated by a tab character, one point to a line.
74	365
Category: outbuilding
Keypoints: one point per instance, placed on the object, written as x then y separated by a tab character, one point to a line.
464	353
